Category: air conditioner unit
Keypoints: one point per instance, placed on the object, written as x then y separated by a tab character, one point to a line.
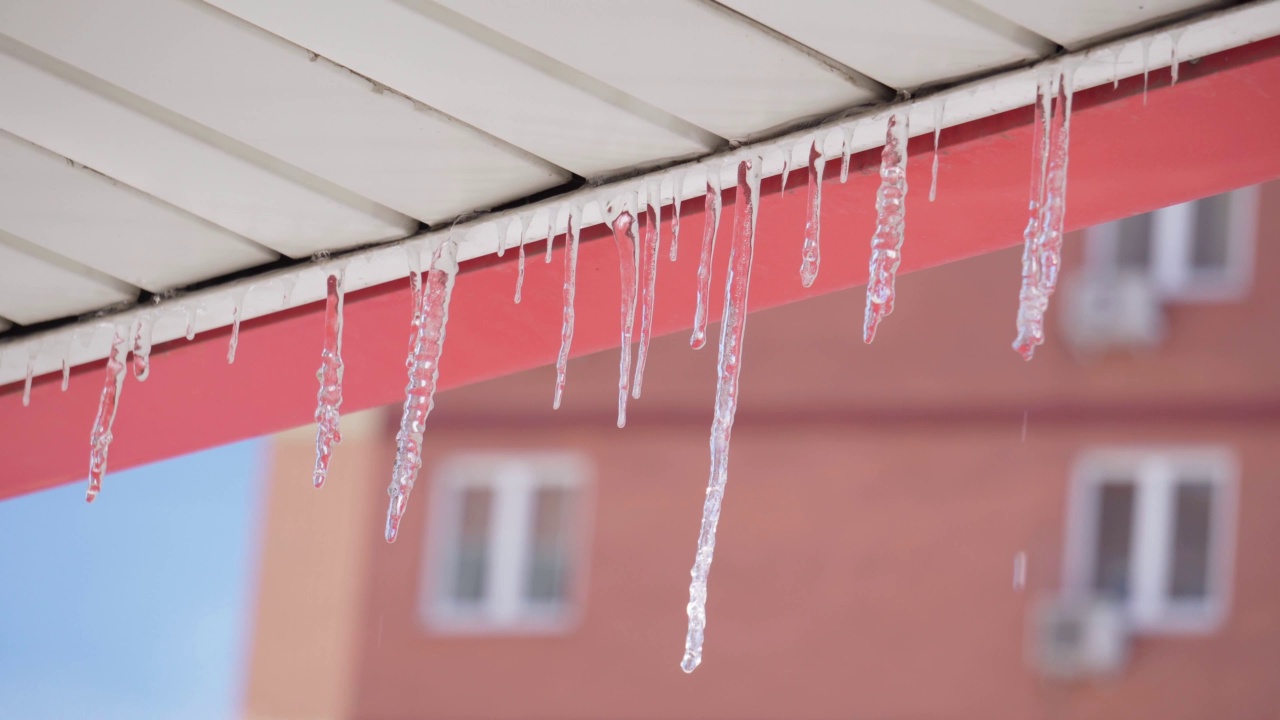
1112	310
1073	639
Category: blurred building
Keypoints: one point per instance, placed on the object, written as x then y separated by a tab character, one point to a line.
925	528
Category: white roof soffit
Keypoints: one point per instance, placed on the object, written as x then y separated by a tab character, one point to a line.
88	340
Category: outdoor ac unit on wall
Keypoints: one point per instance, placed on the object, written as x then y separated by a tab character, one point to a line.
1110	311
1077	639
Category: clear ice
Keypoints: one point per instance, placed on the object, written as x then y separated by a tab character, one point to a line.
677	190
939	108
236	313
570	287
100	437
811	253
26	385
329	397
520	263
732	331
624	236
142	349
426	345
891	220
1042	249
711	225
552	216
652	241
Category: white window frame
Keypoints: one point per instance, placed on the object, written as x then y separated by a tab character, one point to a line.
514	479
1171	272
1155	472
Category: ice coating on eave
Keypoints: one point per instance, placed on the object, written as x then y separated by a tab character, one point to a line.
570	289
891	220
624	238
329	397
108	403
425	348
733	327
711	226
811	251
652	242
1042	240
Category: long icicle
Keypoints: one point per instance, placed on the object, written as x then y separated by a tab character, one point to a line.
624	236
733	327
570	288
652	241
427	344
677	190
891	220
711	225
329	397
811	253
1042	249
100	437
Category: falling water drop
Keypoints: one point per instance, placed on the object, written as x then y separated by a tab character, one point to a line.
891	220
624	237
329	397
811	252
425	349
733	327
939	109
652	241
1020	570
566	325
100	437
711	225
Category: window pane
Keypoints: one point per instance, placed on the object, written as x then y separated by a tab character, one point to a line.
549	549
1115	529
1210	240
1133	243
1189	566
471	567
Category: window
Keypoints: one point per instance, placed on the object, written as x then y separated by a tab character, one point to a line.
504	551
1197	251
1151	530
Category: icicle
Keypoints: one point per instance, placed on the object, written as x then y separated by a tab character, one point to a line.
939	109
891	220
566	326
1175	36
1146	66
1115	67
426	345
711	225
624	236
100	437
66	373
652	241
811	252
191	323
551	232
520	262
236	314
26	385
846	153
677	191
786	170
1042	252
329	398
733	327
142	349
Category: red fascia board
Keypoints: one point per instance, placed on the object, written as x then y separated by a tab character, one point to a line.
1211	132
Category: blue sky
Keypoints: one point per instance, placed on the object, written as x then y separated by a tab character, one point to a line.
138	606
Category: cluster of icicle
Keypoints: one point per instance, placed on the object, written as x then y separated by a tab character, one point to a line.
1042	251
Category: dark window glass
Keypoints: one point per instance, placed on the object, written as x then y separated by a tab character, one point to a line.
472	562
1209	243
1112	556
1189	562
549	546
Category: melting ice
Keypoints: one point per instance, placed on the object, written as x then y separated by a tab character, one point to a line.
711	225
891	219
570	288
100	437
329	397
624	237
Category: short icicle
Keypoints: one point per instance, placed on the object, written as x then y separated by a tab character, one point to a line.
1146	66
811	252
100	437
142	349
520	263
553	215
891	220
237	314
1042	252
846	153
426	345
677	190
26	385
66	373
939	109
329	397
570	288
786	170
624	236
711	225
652	241
191	323
732	332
